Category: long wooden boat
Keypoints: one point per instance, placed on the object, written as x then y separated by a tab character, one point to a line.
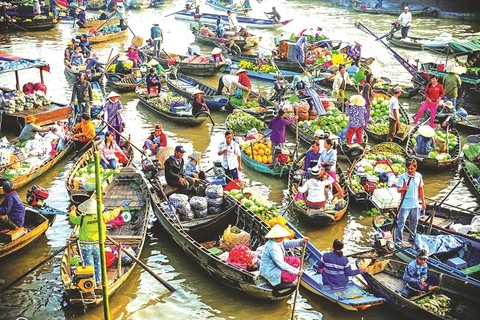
99	5
108	37
17	241
386	11
196	239
139	4
128	189
191	69
124	82
184	86
389	283
215	41
216	4
73	74
282	64
317	217
471	181
23	179
401	136
351	297
265	111
306	136
469	124
95	23
81	192
180	118
382	151
430	163
29	23
265	76
278	171
248	22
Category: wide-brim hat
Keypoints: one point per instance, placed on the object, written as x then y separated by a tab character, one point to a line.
241	70
357	100
315	172
113	94
152	62
277	232
448	104
197	91
30	118
89	207
195	156
216	51
132	46
122	58
426	131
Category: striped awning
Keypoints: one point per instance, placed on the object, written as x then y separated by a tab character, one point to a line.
9	63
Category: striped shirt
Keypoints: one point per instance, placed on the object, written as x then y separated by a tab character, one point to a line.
336	269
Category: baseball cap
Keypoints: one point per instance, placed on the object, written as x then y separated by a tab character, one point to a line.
179	149
422	254
397	89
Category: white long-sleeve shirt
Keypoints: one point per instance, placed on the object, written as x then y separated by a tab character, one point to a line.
405	19
337	81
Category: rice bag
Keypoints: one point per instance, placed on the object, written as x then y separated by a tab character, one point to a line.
200	213
198	203
214	202
214	210
214	191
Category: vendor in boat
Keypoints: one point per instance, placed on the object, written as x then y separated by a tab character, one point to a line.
158	68
109	152
68	51
113	108
356	113
283	48
77	59
103	15
425	142
416	275
120	65
30	129
272	262
410	184
85	45
231	156
82	92
274	15
12	210
217	56
81	17
278	125
311	158
93	65
232	21
156	140
198	103
121	14
451	84
132	54
328	158
300	47
340	82
317	189
218	27
175	173
89	234
335	267
433	95
448	115
367	94
393	115
405	19
84	131
231	82
152	80
233	48
192	167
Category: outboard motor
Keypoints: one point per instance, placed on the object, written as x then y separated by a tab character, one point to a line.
36	196
149	168
218	169
384	241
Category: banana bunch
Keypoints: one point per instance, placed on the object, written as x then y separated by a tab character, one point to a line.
266	68
246	65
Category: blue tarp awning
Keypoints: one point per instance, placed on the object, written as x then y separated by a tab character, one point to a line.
9	63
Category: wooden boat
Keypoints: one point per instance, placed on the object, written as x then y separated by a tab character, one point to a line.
95	23
96	5
317	217
17	241
73	74
184	86
278	171
180	118
389	283
265	76
124	82
282	64
248	22
471	181
25	178
197	238
469	124
108	37
441	45
219	5
401	136
388	150
79	194
386	11
191	69
350	297
265	110
430	163
307	135
139	4
30	23
215	41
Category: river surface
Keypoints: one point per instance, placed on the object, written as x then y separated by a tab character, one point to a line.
40	295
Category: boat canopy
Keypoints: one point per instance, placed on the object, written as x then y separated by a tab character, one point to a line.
469	45
9	63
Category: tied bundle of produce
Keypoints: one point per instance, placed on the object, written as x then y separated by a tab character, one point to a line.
181	205
472	151
214	195
233	236
241	257
436	303
302	110
286	276
199	206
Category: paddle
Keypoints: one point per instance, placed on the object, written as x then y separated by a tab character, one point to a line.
171	14
104	69
144	266
208	114
437	207
298	281
116	131
456	207
32	269
98	28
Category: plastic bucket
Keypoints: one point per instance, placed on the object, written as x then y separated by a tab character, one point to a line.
109	257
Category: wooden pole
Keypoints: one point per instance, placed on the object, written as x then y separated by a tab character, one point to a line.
106	306
104	69
17	79
41	76
298	281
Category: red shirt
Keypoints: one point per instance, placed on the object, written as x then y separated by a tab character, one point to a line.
434	92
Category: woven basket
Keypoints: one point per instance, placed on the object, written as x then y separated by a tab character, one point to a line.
163	155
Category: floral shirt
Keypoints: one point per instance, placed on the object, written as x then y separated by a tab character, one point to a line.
356	116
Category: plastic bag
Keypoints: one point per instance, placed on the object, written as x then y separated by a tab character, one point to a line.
288	277
217	202
214	191
200	213
214	210
240	254
126	260
233	236
198	203
176	199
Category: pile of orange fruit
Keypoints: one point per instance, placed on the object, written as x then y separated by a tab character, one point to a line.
260	151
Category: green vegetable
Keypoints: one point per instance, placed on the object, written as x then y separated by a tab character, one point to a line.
472	169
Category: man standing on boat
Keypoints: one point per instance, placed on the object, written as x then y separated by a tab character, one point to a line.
232	20
405	19
12	210
451	84
157	35
393	116
82	91
274	15
231	156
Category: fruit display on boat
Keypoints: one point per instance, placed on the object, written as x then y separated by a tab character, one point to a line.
247	65
379	110
440	151
334	121
168	102
241	122
260	151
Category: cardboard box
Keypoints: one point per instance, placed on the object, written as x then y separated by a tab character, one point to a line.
457	263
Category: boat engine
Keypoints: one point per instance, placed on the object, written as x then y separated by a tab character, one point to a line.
149	168
383	241
84	278
36	195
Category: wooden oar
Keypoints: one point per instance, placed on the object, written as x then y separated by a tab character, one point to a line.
171	14
116	131
98	28
208	114
144	266
298	281
456	207
105	69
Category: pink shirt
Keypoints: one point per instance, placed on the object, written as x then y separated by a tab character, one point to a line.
108	153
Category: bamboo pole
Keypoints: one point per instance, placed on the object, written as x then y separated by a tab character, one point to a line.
106	307
298	281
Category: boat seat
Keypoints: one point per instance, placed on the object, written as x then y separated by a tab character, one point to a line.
7	235
169	190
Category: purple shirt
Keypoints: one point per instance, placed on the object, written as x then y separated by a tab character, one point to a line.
278	126
311	160
13	207
111	109
356	116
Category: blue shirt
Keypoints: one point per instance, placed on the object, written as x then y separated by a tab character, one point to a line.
336	269
156	32
414	272
190	169
329	156
272	262
411	196
13	207
424	145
